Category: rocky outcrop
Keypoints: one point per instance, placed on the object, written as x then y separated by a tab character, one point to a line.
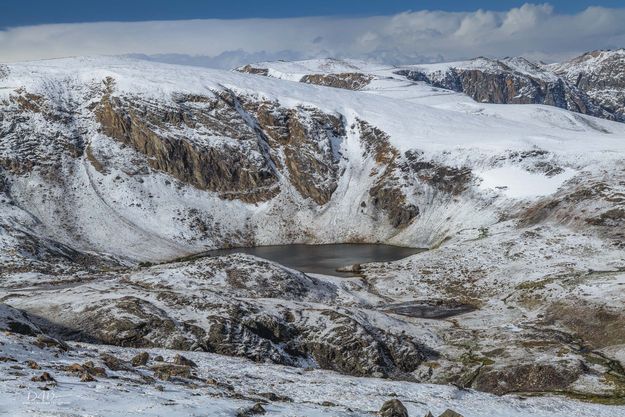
237	168
528	378
131	322
32	252
386	194
450	413
403	175
307	142
249	69
345	80
231	318
37	135
261	138
511	81
591	84
16	321
376	143
348	80
600	75
388	197
393	408
443	178
326	338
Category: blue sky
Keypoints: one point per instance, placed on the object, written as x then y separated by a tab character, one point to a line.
33	12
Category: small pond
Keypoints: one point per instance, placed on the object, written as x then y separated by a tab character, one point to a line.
324	259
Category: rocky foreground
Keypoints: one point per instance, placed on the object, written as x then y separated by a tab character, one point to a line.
42	376
116	173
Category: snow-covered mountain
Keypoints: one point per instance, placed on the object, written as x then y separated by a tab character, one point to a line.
114	171
601	76
176	160
590	84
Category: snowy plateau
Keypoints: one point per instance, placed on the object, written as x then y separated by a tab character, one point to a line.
117	174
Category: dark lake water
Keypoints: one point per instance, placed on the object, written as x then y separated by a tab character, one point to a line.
324	259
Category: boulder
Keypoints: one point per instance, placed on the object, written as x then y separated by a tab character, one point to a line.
393	408
181	360
113	363
47	341
166	371
44	377
140	359
86	377
256	409
450	413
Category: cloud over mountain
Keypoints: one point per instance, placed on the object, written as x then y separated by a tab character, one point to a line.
533	30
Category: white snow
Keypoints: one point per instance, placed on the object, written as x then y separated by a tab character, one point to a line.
516	182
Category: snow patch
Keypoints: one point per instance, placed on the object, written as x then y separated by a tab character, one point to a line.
515	182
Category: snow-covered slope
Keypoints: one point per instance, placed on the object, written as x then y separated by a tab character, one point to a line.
132	149
108	163
590	84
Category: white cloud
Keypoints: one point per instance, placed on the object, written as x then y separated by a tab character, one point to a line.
535	31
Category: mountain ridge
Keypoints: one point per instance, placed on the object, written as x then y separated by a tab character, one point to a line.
506	80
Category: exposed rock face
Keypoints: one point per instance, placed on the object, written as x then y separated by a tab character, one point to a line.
165	372
386	196
348	81
287	337
256	409
450	413
406	175
130	321
306	141
261	138
181	360
140	359
249	69
528	378
16	321
393	408
600	75
591	84
386	193
376	143
44	377
35	135
511	81
239	168
444	179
